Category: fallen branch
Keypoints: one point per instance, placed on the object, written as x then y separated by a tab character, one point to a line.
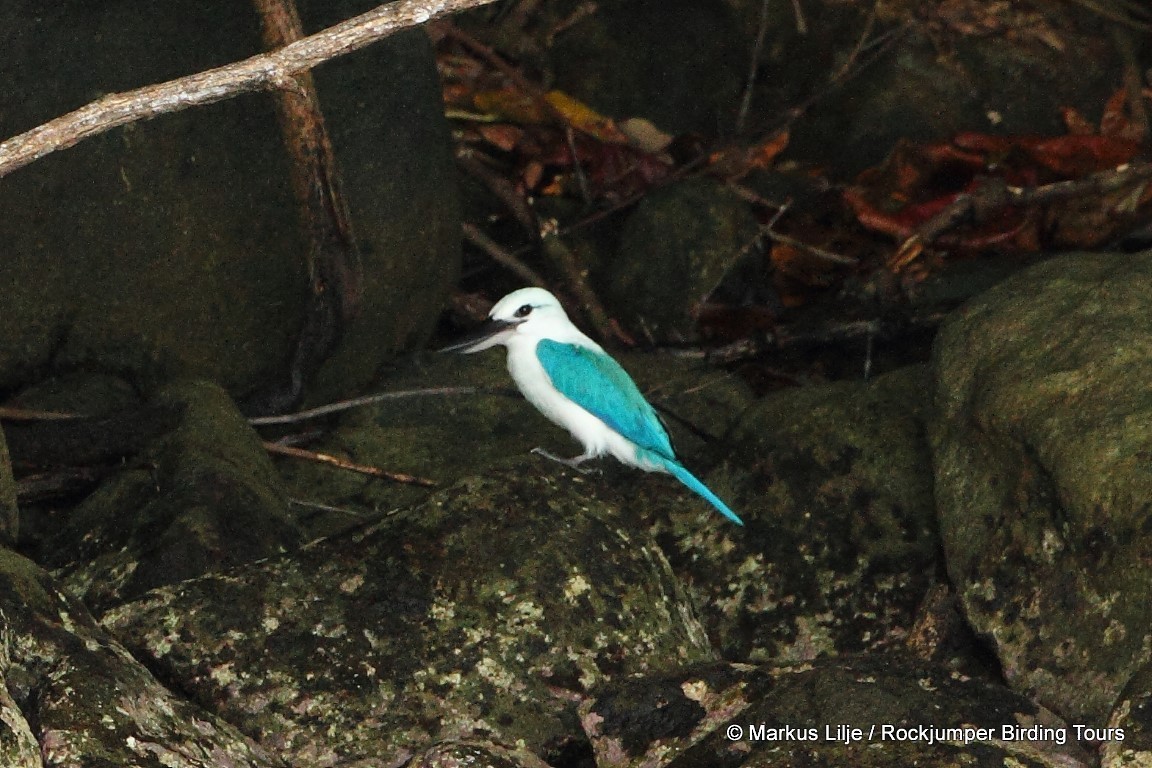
47	486
351	466
25	414
754	65
994	194
356	402
265	71
335	274
822	335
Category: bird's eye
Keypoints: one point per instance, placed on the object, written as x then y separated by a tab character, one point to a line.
524	311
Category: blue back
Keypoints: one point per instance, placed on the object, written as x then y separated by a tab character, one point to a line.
597	383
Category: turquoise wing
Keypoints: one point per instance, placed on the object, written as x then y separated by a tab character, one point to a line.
597	383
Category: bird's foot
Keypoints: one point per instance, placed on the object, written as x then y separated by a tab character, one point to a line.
572	463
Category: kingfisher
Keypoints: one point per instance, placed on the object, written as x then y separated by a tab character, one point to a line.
572	381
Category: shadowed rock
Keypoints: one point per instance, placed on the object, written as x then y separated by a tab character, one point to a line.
1042	449
200	498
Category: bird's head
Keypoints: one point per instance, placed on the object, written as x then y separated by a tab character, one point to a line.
529	313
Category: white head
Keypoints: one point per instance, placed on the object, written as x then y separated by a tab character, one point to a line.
529	314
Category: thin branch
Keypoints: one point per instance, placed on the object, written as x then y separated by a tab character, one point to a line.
861	44
21	414
866	331
506	192
801	22
576	279
501	255
820	253
262	72
769	230
753	68
577	167
853	65
25	414
318	507
994	194
684	171
351	466
517	77
356	402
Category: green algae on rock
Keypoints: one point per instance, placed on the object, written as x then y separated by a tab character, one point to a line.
844	545
484	612
1043	481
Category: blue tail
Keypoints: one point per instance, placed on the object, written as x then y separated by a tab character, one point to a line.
695	485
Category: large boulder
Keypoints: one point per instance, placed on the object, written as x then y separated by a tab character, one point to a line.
841	544
1043	481
483	613
172	247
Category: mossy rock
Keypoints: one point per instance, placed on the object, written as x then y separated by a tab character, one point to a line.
1041	448
482	613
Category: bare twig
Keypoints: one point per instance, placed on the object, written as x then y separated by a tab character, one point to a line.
25	414
20	414
351	466
866	331
496	60
318	507
753	68
820	253
769	229
682	172
582	11
577	168
853	65
801	22
356	402
265	71
501	255
861	43
751	348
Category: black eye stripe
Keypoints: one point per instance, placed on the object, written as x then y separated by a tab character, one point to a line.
523	311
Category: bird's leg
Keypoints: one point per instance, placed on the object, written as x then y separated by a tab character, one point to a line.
572	463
